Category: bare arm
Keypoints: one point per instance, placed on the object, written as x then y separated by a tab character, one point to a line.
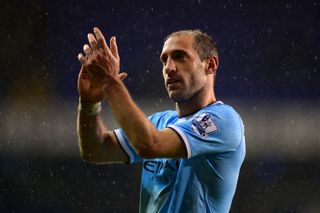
103	68
147	140
97	143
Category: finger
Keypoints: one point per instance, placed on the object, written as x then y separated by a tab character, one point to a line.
93	42
81	58
101	40
114	47
87	50
123	75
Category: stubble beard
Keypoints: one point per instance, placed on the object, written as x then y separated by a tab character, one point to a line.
184	96
178	96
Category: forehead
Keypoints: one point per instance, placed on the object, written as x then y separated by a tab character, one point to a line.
178	42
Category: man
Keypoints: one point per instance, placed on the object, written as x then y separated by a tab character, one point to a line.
191	157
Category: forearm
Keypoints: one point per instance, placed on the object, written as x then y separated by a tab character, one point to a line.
139	130
91	131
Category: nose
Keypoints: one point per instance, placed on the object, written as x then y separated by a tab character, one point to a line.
170	66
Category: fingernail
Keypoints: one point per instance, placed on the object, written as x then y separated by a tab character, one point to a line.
95	29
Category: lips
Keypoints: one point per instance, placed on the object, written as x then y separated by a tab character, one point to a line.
172	83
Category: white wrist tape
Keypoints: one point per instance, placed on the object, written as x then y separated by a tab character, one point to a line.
90	108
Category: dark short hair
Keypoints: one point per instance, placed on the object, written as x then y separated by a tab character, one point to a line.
203	43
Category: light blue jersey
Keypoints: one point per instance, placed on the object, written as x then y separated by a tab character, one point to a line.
206	180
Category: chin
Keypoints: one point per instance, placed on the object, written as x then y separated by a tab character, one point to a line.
177	97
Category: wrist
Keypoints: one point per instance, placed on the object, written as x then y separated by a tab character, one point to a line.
90	108
112	87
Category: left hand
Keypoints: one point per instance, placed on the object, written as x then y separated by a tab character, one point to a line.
101	62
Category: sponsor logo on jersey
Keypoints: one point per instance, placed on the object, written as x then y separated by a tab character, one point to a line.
157	167
203	124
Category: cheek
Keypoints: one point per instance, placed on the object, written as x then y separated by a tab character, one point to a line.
197	75
164	77
197	80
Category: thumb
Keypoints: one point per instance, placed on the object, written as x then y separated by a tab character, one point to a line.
123	75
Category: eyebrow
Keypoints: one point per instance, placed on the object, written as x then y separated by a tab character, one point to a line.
178	51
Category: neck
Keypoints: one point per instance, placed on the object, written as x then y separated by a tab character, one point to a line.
195	103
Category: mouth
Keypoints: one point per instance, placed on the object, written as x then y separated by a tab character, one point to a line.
173	84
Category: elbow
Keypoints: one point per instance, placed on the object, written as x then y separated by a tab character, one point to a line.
86	156
146	144
89	157
147	149
89	151
145	153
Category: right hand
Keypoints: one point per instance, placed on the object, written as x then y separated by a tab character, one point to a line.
90	90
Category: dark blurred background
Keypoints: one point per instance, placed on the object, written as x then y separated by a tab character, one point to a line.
269	71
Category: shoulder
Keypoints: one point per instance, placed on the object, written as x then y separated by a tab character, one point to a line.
220	119
213	129
163	116
222	112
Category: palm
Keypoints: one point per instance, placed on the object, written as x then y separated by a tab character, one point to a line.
89	90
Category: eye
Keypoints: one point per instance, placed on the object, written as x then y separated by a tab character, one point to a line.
163	59
179	56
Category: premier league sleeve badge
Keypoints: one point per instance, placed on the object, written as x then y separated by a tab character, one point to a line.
203	124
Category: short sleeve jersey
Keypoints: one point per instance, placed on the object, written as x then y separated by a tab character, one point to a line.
206	180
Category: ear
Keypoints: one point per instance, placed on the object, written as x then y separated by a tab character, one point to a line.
212	64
